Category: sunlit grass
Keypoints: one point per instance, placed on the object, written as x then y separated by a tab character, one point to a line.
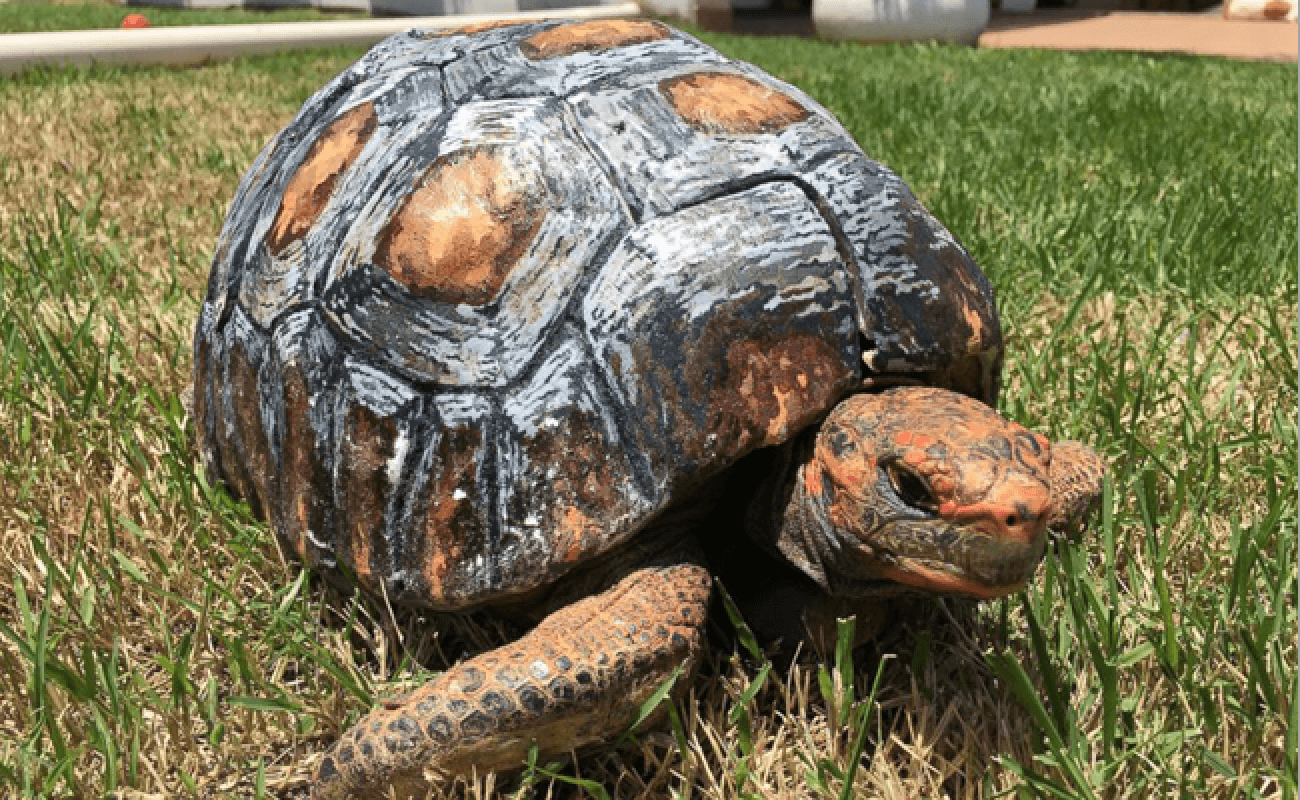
25	16
1137	217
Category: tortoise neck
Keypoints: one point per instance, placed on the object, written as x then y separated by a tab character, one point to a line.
784	517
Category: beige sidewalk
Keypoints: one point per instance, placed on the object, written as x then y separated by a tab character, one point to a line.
1200	34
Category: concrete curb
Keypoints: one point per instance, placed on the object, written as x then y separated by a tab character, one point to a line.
200	43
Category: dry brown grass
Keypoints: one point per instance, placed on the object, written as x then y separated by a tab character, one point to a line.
161	157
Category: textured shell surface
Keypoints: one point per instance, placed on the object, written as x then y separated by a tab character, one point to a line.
497	298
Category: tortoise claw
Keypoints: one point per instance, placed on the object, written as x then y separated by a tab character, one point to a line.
1076	475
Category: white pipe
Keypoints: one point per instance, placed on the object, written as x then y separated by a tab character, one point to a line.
199	43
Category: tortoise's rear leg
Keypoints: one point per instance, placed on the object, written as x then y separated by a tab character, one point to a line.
578	677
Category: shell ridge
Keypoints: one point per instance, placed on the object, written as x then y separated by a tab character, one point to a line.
302	132
653	355
663	162
231	248
642	475
273	280
411	147
868	204
576	294
285	313
925	304
408	93
739	186
230	436
422	383
366	386
340	313
414	497
458	566
468	74
574	128
397	518
568	491
316	360
408	502
636	65
848	253
580	315
503	68
491	493
594	265
290	272
476	345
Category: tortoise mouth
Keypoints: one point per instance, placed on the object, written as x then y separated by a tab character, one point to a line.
955	559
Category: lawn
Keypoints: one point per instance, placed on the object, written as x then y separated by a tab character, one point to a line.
30	17
1137	217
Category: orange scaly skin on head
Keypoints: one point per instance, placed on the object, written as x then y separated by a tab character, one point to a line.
980	486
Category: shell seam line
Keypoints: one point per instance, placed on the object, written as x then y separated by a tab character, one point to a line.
400	521
641	472
492	484
847	255
571	121
778	174
377	183
569	312
371	354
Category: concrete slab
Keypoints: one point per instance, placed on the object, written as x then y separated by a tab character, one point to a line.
1197	34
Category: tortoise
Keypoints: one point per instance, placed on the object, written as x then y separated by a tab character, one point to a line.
550	317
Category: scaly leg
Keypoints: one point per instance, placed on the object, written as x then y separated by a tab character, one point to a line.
1076	473
580	676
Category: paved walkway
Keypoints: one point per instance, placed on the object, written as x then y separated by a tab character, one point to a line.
1201	34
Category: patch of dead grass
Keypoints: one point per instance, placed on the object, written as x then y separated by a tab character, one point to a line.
160	156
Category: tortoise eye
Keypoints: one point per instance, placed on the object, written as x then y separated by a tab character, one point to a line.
911	489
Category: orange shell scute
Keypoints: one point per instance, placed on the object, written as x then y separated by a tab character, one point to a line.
458	234
772	389
310	187
715	102
477	27
595	36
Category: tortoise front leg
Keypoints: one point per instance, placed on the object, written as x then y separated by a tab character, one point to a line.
578	677
1076	476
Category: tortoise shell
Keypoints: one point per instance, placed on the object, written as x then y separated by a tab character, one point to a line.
495	300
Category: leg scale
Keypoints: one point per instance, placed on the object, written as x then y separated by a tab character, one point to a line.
579	677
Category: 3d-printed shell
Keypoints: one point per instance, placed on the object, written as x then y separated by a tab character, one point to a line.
495	300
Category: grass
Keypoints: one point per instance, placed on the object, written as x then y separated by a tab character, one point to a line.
27	16
1138	218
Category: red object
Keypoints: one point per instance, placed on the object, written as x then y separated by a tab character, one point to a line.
135	21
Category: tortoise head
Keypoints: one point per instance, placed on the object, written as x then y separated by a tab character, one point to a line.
921	487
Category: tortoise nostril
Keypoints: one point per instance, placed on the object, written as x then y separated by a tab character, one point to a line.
1012	520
